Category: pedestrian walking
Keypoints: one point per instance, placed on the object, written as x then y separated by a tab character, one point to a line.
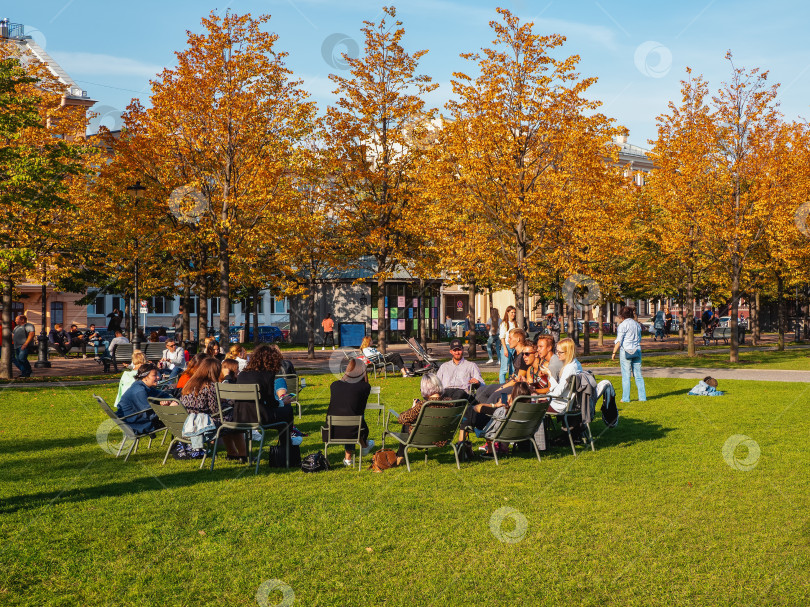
22	339
507	354
328	326
494	340
628	342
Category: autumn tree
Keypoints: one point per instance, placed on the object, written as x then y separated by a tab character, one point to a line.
526	147
42	150
746	122
225	124
371	141
674	234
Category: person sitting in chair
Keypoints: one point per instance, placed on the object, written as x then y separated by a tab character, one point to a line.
432	390
349	396
135	399
558	388
394	358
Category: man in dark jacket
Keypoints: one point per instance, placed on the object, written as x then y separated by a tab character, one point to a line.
135	400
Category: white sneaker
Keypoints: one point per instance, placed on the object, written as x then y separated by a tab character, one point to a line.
489	362
348	463
257	435
365	450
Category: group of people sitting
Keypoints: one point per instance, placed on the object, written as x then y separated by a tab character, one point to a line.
62	341
539	368
196	390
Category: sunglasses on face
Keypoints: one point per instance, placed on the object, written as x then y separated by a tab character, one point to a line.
529	353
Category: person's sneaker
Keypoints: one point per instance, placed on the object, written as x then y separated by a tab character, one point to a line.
348	463
368	448
489	362
257	436
196	453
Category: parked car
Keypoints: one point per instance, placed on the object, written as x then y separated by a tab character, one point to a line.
725	321
593	327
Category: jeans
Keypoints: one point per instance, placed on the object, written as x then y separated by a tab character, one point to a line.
175	372
506	364
96	343
631	364
20	361
494	347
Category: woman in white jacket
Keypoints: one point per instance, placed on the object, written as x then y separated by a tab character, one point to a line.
558	388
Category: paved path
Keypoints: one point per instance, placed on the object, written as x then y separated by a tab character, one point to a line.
697	373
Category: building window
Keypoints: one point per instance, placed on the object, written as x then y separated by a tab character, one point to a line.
259	303
214	307
99	305
161	305
57	312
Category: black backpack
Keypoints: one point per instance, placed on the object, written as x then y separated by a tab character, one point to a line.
278	458
314	462
610	413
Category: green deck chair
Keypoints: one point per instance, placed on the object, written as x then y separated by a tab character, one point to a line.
572	412
294	387
523	419
173	417
246	392
129	433
344	421
434	424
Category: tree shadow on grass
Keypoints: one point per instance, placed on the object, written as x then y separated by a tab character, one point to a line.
12	447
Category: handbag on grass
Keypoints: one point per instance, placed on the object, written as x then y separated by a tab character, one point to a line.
383	460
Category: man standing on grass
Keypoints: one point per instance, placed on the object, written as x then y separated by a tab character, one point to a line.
22	339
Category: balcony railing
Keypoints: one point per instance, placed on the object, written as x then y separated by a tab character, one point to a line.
11	30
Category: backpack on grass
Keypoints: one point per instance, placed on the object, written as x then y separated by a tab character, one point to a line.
314	462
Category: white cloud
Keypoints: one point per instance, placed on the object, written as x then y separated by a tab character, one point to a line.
95	64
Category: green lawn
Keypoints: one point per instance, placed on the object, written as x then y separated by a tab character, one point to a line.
797	360
656	516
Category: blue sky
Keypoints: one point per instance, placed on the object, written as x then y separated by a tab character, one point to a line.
638	50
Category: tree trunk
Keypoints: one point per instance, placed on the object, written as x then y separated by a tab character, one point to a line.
421	311
311	316
601	321
128	317
224	291
586	319
381	320
7	351
690	319
256	316
754	319
202	315
471	354
781	312
186	336
573	330
734	354
520	285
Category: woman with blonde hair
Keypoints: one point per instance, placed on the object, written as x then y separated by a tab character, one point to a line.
394	358
128	376
239	354
558	389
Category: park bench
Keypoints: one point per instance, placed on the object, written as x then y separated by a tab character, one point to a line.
153	351
77	350
724	333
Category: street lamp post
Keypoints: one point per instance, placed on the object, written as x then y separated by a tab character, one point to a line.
136	193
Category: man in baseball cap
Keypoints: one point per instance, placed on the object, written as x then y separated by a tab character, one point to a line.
459	372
